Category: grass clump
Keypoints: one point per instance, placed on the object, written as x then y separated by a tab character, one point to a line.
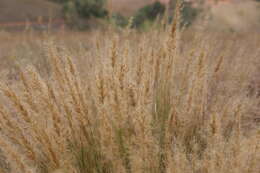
144	105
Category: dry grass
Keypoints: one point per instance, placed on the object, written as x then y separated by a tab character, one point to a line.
134	103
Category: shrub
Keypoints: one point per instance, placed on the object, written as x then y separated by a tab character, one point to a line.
89	8
148	14
188	13
85	8
118	20
80	14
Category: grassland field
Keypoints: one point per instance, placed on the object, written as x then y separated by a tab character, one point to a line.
124	101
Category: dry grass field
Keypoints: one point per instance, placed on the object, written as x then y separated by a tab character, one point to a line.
163	101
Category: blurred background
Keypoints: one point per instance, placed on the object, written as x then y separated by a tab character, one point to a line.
216	15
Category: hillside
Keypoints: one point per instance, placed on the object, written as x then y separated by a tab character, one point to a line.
241	16
21	10
127	7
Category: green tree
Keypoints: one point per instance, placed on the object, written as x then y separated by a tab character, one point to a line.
84	8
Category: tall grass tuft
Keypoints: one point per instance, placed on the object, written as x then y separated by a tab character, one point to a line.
146	104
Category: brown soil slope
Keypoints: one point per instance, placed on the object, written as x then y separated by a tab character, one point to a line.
127	7
21	10
242	16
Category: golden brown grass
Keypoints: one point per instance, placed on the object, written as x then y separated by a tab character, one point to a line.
134	103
